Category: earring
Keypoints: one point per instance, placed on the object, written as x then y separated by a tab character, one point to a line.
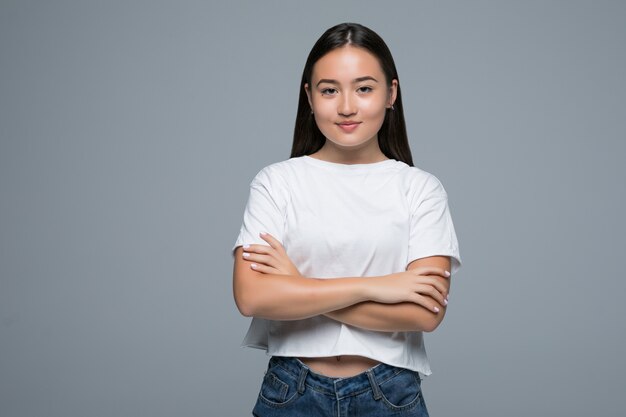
392	108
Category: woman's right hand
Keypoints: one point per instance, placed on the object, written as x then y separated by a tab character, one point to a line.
419	285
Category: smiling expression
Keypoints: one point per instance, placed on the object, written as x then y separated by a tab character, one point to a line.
349	97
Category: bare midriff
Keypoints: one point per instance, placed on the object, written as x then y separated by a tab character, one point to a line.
339	366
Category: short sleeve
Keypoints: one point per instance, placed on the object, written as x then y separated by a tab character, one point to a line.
265	209
431	229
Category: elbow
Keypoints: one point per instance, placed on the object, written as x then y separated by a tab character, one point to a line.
245	299
246	313
429	326
431	322
245	310
244	286
245	305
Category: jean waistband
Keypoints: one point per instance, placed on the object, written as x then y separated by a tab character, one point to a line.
339	387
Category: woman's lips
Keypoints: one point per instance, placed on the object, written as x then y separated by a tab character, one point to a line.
348	126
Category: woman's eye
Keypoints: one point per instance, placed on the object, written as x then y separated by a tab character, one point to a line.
364	89
329	91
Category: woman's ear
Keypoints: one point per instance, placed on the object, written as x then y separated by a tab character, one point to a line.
393	93
308	94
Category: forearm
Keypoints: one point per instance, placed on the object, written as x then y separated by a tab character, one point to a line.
406	316
284	297
289	296
402	316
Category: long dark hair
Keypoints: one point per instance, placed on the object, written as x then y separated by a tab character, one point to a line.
392	136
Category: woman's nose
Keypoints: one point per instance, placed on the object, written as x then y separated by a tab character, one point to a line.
347	105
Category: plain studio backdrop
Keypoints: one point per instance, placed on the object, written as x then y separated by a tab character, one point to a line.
130	132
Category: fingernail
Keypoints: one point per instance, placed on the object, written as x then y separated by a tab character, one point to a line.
263	233
246	255
445	302
447	273
253	266
436	309
246	246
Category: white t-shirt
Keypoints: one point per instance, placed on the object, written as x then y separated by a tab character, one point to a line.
339	220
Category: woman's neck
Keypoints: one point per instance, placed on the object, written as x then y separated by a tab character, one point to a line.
332	153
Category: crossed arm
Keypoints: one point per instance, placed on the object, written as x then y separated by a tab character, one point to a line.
267	284
403	316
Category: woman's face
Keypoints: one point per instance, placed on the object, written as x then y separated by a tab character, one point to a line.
349	96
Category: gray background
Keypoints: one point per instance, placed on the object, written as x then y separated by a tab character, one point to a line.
130	132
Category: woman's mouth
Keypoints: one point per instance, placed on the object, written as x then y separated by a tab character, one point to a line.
348	126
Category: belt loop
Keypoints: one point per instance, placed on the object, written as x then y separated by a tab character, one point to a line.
303	373
375	389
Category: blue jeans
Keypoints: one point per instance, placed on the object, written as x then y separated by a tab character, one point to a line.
291	389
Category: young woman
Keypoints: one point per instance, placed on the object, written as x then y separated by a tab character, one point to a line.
346	250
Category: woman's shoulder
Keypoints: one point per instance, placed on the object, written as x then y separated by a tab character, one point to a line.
281	168
421	184
418	175
278	174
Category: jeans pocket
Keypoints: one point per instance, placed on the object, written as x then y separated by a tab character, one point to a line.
279	387
402	391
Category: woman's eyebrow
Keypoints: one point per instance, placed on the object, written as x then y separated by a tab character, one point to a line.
356	80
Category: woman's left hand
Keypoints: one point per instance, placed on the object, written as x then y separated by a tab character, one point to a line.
270	259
